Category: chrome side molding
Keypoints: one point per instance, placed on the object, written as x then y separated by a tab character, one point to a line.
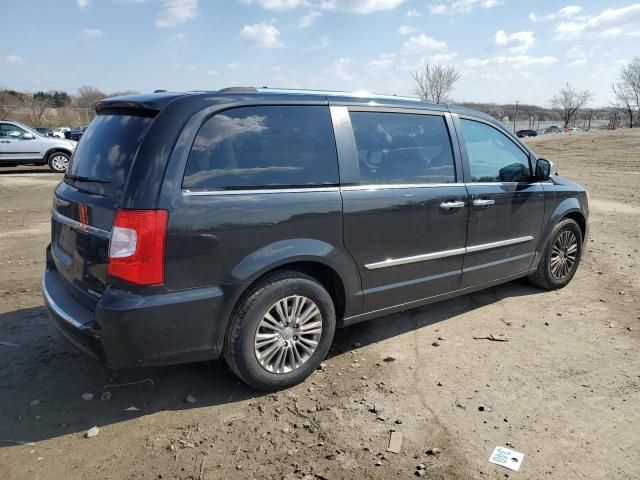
446	253
417	258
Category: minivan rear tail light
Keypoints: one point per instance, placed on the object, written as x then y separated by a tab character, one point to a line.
136	249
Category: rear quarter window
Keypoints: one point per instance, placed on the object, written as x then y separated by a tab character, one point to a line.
263	147
106	152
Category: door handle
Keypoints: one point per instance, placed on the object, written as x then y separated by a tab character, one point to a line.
451	205
483	203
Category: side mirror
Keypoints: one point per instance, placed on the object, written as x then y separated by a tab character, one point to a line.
543	169
27	136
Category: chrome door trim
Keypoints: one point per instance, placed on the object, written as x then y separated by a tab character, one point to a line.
417	258
257	191
398	186
58	217
501	243
446	253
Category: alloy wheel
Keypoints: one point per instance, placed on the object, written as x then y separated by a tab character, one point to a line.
60	163
288	334
563	254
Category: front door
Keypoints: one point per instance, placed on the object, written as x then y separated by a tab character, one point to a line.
405	220
13	147
506	207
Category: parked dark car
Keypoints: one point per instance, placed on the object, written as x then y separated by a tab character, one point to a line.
75	133
251	223
44	131
527	133
553	129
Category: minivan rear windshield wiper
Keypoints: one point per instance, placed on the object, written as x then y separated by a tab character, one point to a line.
82	178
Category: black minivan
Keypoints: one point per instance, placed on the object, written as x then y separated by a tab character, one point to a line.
250	223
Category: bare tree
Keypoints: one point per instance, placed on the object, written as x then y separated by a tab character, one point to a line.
36	108
87	96
434	82
627	89
624	99
569	101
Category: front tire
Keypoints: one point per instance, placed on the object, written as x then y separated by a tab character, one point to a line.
280	331
561	256
58	162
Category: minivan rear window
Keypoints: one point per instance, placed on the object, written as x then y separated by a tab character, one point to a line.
103	157
264	147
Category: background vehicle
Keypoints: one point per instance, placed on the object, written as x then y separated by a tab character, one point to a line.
251	223
59	132
553	129
44	131
526	133
75	134
20	144
573	130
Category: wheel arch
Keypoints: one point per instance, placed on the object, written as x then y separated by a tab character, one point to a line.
53	150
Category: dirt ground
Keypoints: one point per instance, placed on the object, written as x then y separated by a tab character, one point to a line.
564	390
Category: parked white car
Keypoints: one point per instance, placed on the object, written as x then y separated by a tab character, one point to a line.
59	132
20	144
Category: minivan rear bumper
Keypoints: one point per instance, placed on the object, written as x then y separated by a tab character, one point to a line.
127	330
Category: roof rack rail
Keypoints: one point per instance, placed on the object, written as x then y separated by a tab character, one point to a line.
357	94
238	90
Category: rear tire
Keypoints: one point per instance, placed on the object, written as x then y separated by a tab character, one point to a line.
272	355
561	256
58	162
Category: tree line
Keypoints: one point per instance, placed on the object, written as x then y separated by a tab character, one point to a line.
434	83
52	108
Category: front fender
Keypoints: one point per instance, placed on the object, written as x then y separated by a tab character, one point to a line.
556	210
293	250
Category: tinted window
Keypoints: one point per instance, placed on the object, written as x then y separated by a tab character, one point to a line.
493	157
263	147
106	152
10	131
400	148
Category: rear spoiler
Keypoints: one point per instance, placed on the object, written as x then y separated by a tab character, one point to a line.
122	107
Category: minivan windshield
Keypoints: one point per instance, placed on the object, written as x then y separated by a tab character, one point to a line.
104	157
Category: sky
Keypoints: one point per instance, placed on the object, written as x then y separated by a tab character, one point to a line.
505	50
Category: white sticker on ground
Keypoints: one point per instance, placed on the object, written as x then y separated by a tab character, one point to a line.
507	458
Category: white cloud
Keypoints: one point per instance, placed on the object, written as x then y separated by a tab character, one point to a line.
442	57
406	29
90	34
352	6
176	12
234	66
82	4
361	6
323	43
309	19
383	62
276	4
565	12
454	7
213	72
610	22
422	42
339	69
517	42
262	34
14	59
516	61
413	13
